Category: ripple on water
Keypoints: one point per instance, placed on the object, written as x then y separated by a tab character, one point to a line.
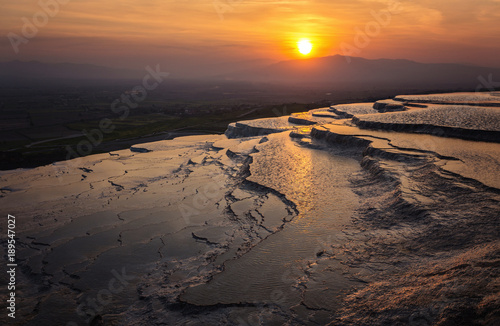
270	272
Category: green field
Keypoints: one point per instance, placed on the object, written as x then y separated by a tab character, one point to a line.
43	144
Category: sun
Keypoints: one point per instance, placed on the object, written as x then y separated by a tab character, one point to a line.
304	46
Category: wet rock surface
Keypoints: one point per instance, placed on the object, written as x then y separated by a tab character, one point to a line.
476	98
300	220
458	121
350	110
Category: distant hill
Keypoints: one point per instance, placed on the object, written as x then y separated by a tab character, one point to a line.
20	71
332	71
337	70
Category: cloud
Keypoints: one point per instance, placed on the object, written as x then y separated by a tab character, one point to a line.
252	27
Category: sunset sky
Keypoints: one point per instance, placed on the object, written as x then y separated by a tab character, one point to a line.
205	36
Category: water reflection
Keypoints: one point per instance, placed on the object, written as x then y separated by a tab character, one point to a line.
317	181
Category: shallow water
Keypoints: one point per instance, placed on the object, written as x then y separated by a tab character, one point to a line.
271	272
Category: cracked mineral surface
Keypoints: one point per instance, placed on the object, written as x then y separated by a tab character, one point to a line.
381	213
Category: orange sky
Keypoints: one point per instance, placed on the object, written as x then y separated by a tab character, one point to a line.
190	35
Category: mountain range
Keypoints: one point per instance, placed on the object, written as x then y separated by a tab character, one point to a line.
22	71
330	70
338	69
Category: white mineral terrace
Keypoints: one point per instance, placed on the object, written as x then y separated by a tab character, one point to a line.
357	214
